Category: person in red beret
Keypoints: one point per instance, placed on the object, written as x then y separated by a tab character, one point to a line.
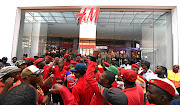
29	61
133	90
48	60
140	78
78	58
160	92
67	62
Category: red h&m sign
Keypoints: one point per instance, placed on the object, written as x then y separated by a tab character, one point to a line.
83	15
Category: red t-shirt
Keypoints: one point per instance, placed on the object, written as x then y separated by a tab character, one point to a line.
82	92
135	95
114	84
58	75
46	72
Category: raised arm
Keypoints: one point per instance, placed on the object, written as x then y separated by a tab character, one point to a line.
52	64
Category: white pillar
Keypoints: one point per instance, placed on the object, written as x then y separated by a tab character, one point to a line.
87	35
35	39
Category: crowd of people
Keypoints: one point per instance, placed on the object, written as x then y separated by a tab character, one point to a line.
86	81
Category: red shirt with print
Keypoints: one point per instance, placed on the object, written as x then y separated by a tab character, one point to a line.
58	75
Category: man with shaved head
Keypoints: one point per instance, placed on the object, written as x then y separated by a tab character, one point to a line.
160	92
174	76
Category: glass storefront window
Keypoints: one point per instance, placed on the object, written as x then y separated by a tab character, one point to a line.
48	33
136	36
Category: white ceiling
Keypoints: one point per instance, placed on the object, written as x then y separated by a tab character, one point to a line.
110	25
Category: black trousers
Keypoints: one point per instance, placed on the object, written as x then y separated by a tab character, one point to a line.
57	98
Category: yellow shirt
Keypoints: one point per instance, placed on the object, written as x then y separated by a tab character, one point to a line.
174	77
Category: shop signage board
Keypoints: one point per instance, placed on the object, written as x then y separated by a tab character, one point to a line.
86	15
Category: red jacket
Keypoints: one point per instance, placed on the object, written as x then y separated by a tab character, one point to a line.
67	96
82	92
97	99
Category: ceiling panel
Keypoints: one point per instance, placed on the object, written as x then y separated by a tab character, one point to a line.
56	14
27	14
59	18
58	21
39	18
68	14
104	13
141	16
45	14
102	20
36	14
103	16
116	16
144	13
49	18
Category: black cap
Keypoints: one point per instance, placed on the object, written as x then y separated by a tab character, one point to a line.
79	67
4	58
146	63
115	96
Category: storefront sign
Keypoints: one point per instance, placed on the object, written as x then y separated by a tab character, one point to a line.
101	47
85	15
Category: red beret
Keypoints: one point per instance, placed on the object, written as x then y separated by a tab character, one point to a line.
129	74
73	62
163	85
134	65
66	55
38	60
30	58
106	64
49	57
